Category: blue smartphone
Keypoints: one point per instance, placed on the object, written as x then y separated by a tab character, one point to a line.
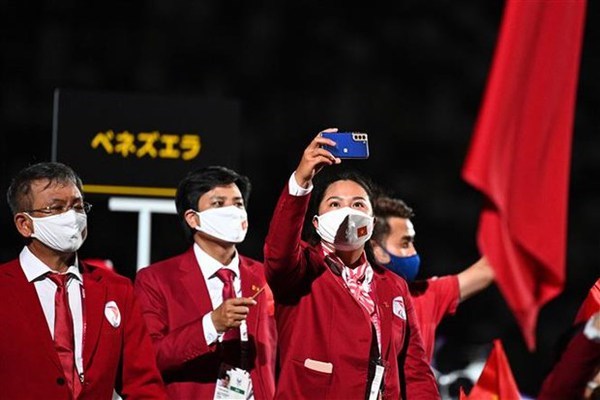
348	144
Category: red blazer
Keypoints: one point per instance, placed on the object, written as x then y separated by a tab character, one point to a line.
319	320
118	358
174	298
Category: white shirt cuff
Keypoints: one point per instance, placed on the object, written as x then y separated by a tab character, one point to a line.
210	332
297	190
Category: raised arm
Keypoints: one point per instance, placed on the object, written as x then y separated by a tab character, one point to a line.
285	264
475	278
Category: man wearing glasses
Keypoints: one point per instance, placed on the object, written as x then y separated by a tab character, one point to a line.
69	330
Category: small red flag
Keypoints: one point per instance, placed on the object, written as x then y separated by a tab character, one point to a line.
520	153
496	381
590	305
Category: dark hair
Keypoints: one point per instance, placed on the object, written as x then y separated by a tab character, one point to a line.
202	180
19	196
385	207
321	184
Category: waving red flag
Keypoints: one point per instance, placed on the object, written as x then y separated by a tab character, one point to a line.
590	305
496	381
520	152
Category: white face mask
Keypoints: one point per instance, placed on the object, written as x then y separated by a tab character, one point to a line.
226	223
62	232
347	229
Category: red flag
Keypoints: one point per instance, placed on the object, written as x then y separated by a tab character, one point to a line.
590	305
521	149
496	381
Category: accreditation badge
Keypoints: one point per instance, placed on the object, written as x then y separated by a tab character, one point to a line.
232	383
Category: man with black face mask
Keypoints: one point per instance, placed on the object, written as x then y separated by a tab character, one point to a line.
70	330
204	307
393	247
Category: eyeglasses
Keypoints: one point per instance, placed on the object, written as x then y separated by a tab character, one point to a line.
82	208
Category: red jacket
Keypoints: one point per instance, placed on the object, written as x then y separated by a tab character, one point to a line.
174	298
119	358
318	320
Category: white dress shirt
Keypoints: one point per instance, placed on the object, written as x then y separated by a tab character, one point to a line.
35	271
209	267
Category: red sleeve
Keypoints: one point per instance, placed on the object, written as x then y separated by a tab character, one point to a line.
435	298
285	264
447	294
140	378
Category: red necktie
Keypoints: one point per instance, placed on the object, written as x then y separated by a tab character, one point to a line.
227	275
64	339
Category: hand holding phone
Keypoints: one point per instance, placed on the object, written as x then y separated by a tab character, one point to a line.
350	145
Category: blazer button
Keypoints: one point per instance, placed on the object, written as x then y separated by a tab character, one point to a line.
60	380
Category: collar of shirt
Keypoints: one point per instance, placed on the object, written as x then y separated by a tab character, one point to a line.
209	266
34	268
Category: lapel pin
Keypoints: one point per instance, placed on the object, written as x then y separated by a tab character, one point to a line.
257	291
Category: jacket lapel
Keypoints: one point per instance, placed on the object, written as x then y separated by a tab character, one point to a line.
250	285
94	300
193	282
384	296
25	297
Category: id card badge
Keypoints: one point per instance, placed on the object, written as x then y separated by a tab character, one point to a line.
232	383
376	384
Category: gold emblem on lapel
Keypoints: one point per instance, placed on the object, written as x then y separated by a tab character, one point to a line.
257	290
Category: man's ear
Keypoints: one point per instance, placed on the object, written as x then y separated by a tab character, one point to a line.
192	218
23	224
380	254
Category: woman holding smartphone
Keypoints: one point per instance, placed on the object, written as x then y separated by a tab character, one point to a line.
346	328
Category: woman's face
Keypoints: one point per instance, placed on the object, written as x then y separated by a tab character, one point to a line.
345	193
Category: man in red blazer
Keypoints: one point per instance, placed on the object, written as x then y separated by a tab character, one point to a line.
83	345
202	335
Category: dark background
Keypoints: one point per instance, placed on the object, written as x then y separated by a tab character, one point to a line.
411	74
